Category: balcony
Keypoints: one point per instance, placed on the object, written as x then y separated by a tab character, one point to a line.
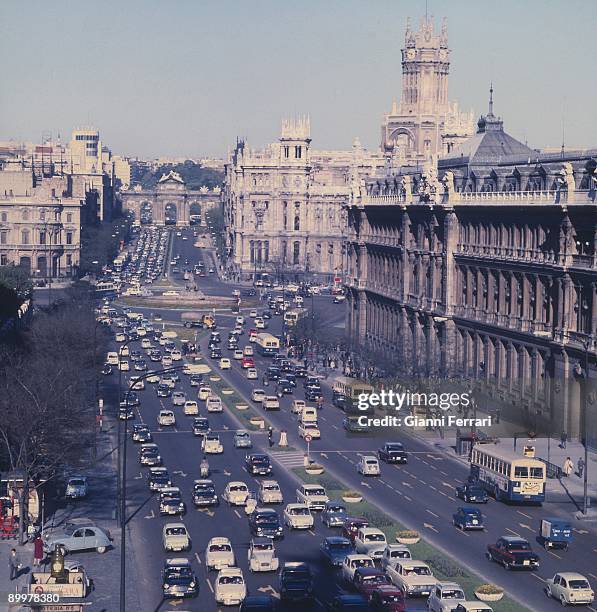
584	261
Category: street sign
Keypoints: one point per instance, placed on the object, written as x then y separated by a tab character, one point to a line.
308	438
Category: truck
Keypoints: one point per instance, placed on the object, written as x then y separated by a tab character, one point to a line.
267	344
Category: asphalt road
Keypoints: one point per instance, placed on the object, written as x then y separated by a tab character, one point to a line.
421	494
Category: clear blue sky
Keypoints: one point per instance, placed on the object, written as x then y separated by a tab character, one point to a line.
185	77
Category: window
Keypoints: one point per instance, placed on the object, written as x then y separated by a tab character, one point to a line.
297	222
4	217
521	471
537	472
3	237
252	251
25	215
298	152
3	260
42	215
69	217
25	237
284	251
69	260
69	237
286	152
266	254
42	237
296	251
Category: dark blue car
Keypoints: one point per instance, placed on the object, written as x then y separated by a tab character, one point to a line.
468	518
335	549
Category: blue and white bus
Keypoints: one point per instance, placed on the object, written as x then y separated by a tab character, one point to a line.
267	344
507	475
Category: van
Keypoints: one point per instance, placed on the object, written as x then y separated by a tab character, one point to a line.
308	415
112	358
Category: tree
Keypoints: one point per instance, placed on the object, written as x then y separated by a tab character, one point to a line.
15	288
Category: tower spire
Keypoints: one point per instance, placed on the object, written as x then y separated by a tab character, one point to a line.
490	113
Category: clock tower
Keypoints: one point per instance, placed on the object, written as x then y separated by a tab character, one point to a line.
425	124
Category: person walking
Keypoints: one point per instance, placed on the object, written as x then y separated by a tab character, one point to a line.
563	439
568	467
580	464
14	564
38	550
270	436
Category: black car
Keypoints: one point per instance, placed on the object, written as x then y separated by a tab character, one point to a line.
200	426
155	356
312	394
286	367
178	579
130	399
196	380
273	373
312	383
126	413
194	323
258	464
141	433
291	378
140	365
296	582
392	452
341	401
284	387
232	346
158	478
215	338
215	353
163	390
513	552
472	493
301	372
258	603
265	522
349	603
107	369
204	494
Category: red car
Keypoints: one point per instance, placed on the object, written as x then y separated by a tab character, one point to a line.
351	525
387	598
368	579
248	362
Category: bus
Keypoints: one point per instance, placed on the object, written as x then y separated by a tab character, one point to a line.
106	289
267	345
507	475
346	392
292	317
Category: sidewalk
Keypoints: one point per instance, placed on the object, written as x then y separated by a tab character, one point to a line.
6	585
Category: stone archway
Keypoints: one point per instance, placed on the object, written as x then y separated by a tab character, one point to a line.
146	213
170	214
42	265
196	214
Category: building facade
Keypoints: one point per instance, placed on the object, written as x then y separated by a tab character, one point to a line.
41	219
483	268
283	206
424	125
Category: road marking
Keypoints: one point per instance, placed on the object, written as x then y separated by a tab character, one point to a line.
444	494
237	514
324	455
139	477
581	531
525	526
537	576
592	575
433	488
407	497
311	532
554	554
525	515
269	589
432	513
406	484
513	533
207	511
365	484
433	467
209	585
150	515
463	532
429	526
198	558
444	473
180	473
227	473
447	484
335	426
422	481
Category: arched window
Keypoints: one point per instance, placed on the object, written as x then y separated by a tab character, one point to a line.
25	215
296	252
4	217
25	237
297	222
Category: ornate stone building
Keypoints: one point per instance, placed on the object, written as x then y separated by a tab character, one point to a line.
485	270
283	205
425	124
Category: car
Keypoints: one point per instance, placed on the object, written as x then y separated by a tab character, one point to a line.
370	541
140	366
467	517
513	553
570	588
200	426
352	562
176	355
153	379
215	353
175	537
309	429
214	404
262	555
211	445
219	554
313	394
166	418
242	439
230	588
260	323
76	487
169	381
141	433
269	492
283	387
171	502
414	578
252	313
193	323
238	354
171	293
368	465
352	425
312	495
163	390
445	596
155	355
367	579
124	365
472	493
258	464
393	452
190	407
334	549
387	598
251	374
352	524
178	398
273	373
240	320
298	516
196	380
258	395
296	582
107	369
339	299
225	363
150	455
178	579
204	493
76	535
473	606
265	522
166	361
392	554
349	603
204	392
271	402
235	493
120	337
158	478
297	406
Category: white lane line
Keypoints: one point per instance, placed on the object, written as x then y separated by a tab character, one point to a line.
237	514
513	533
463	532
311	532
209	585
407	497
554	554
432	513
198	558
537	576
444	473
525	515
335	426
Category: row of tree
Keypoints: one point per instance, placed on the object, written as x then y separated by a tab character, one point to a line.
193	174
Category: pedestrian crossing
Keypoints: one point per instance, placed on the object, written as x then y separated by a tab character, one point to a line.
289	459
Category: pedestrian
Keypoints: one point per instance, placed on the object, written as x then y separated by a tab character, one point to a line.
270	436
563	438
581	466
568	467
38	550
14	564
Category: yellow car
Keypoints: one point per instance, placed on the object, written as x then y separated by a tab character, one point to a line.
225	363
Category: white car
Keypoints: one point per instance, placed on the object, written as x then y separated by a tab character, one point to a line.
120	337
368	466
258	395
175	537
269	492
570	588
166	361
191	407
271	402
124	351
392	555
370	541
214	404
124	366
153	379
310	429
240	320
298	516
204	392
297	406
313	495
211	445
176	355
253	314
166	380
146	343
445	596
262	555
251	374
219	554
352	563
414	578
259	323
178	398
236	493
238	354
166	418
248	351
230	588
225	363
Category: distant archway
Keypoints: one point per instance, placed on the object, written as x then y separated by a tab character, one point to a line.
195	214
146	213
170	214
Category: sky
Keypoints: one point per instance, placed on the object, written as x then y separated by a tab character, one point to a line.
187	77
